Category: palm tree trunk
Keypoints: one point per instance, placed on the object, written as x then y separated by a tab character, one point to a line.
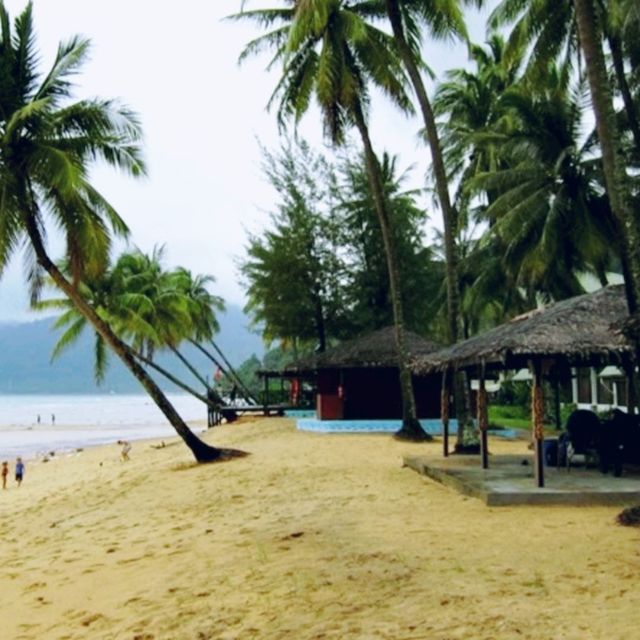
201	451
212	404
247	392
192	369
625	91
411	428
613	164
463	411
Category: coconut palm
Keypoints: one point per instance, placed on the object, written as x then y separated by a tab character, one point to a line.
47	145
330	52
468	105
583	25
441	20
132	304
547	212
590	31
549	28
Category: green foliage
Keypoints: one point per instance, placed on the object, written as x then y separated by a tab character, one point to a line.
47	144
293	271
517	396
367	294
147	306
319	273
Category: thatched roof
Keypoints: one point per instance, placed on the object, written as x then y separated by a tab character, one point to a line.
581	331
373	350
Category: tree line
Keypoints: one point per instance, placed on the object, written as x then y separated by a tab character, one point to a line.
506	141
504	148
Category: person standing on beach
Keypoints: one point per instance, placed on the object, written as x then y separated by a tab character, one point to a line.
53	418
126	447
5	473
38	418
19	471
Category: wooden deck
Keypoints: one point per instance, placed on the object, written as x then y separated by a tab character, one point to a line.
255	409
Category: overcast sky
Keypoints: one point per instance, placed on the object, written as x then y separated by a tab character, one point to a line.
202	115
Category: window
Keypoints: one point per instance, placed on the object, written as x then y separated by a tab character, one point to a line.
584	386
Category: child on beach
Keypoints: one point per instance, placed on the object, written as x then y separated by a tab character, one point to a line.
5	473
126	447
19	470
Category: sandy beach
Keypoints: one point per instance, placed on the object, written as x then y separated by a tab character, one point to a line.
312	536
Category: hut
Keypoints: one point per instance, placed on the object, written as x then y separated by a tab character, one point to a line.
358	379
583	331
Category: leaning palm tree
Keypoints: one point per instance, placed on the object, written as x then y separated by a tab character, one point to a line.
330	52
47	145
72	324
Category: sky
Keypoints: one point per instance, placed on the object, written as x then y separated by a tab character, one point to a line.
202	116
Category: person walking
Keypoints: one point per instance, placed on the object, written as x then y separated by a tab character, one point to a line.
19	471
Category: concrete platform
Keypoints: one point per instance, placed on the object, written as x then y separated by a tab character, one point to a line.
510	481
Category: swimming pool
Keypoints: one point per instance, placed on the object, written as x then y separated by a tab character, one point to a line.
431	426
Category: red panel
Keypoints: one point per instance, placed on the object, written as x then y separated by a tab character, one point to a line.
330	407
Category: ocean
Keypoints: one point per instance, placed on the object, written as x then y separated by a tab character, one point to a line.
34	425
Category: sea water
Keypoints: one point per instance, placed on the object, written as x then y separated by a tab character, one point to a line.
33	425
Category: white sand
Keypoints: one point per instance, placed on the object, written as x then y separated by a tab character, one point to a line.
311	536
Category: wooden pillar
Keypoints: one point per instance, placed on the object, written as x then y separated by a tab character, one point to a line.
483	419
556	388
444	412
537	418
266	394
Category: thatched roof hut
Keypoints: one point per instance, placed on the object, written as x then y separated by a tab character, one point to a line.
358	379
581	331
373	350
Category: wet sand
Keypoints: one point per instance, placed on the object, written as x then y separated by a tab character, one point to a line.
312	536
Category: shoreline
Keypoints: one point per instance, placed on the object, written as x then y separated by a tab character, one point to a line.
70	422
97	437
310	536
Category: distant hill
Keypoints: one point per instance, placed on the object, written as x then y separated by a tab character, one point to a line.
25	353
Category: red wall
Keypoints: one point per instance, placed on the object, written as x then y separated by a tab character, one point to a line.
372	394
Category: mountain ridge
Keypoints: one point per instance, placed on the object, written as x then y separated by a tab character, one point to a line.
26	367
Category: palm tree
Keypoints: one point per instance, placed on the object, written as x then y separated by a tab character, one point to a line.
329	51
581	25
442	20
47	143
547	211
468	105
132	306
549	28
590	31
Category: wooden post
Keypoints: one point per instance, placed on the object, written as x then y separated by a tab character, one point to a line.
444	412
556	388
483	419
266	394
537	417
